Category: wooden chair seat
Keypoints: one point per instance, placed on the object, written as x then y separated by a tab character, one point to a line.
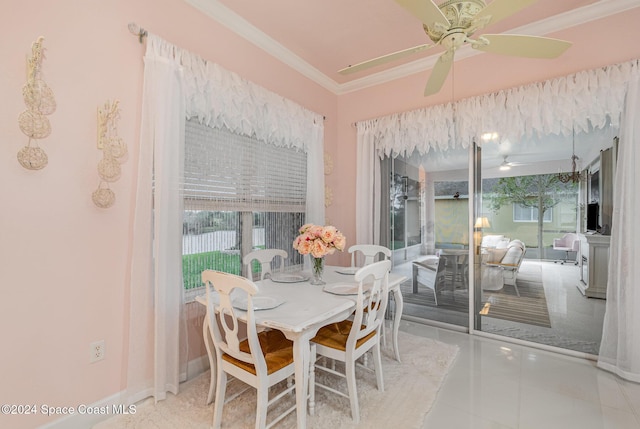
276	349
336	335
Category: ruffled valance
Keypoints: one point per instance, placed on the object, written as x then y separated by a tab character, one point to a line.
582	101
220	98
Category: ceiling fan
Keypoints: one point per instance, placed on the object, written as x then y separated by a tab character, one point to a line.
452	23
506	165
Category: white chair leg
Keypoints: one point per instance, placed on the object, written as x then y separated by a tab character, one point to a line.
377	362
312	380
208	342
220	392
289	381
212	390
262	394
350	368
383	332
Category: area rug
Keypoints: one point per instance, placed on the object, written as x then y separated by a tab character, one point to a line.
530	307
541	336
410	390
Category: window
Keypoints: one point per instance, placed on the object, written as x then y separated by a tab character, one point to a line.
529	214
240	194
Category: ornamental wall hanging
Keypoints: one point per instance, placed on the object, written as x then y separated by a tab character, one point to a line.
114	151
40	102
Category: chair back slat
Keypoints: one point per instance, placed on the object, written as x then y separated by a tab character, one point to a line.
369	252
224	317
373	295
265	257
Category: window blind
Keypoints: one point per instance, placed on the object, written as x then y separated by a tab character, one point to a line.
227	171
240	194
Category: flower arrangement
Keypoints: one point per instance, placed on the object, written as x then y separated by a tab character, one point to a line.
319	241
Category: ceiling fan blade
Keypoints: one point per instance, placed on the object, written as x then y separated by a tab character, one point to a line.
383	59
498	10
426	11
439	73
523	46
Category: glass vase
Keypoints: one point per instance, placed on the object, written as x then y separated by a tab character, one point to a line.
317	268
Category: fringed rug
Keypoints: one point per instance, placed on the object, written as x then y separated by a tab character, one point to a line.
410	389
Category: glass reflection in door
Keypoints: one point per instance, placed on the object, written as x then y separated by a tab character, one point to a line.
527	288
428	234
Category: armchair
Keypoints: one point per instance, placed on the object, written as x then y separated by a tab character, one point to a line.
500	266
568	243
430	273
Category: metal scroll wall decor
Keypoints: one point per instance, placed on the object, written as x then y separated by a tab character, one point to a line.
40	102
114	151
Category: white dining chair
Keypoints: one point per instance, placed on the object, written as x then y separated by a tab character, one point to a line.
350	339
265	257
260	360
369	251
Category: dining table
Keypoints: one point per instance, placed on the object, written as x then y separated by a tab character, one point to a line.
299	309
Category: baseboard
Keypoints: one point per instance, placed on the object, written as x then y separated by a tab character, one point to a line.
195	367
113	405
108	407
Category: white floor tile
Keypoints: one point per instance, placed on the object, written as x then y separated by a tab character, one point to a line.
447	417
498	385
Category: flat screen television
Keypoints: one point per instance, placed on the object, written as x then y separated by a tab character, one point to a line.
593	210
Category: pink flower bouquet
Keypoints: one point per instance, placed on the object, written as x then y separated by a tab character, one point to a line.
319	241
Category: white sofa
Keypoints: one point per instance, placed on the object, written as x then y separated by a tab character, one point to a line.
494	241
500	265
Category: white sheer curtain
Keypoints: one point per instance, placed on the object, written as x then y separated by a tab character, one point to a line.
551	107
555	106
367	180
157	339
315	178
180	85
620	346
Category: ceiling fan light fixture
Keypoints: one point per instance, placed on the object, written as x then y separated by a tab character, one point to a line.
489	136
505	167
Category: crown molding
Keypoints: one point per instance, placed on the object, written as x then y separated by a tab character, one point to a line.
225	16
244	28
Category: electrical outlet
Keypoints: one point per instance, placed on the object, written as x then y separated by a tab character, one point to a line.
96	351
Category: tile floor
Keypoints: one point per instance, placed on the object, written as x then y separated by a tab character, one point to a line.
499	385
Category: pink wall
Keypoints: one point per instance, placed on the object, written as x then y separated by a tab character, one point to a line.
64	261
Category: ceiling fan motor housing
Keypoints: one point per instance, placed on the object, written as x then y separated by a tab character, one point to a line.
460	14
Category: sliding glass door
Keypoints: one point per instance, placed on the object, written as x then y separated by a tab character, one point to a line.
428	234
515	232
531	209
